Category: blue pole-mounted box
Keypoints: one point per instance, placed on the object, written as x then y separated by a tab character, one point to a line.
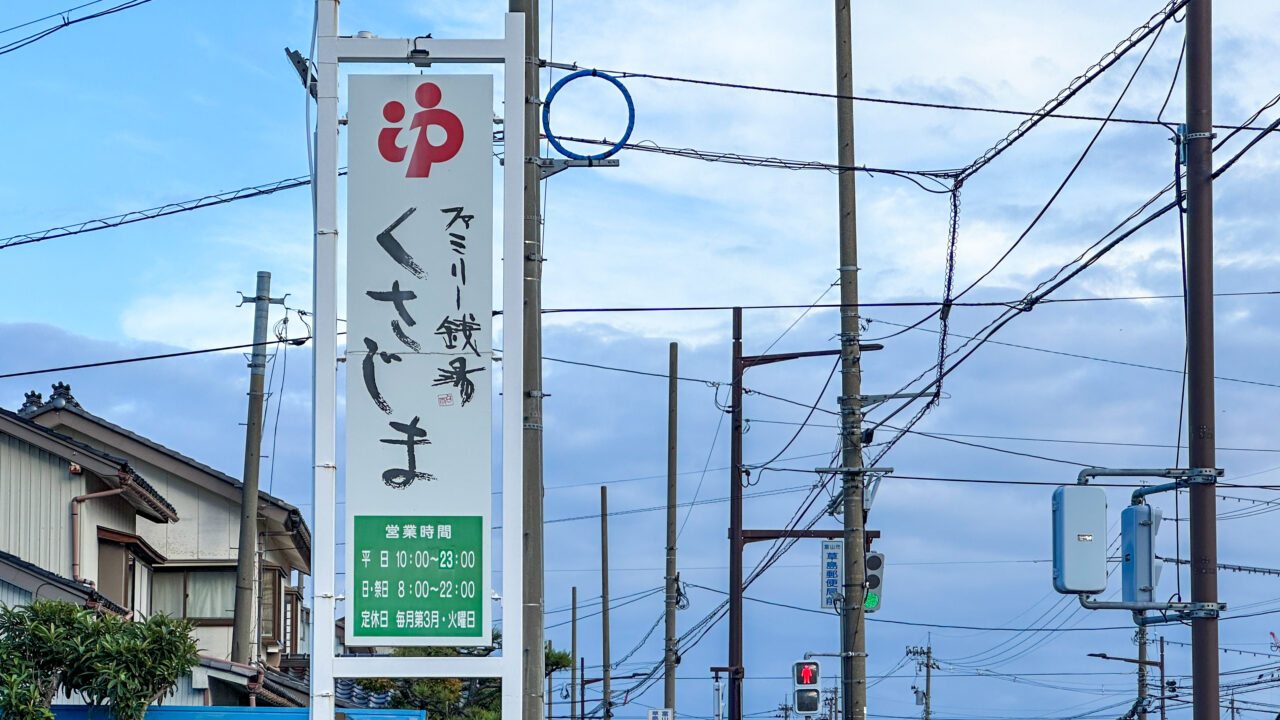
1079	540
1140	569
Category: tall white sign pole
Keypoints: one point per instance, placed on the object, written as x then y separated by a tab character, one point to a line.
333	50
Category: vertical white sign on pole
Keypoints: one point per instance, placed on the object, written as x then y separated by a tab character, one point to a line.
831	566
419	424
419	359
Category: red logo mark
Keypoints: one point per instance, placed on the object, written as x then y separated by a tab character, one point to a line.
445	400
424	153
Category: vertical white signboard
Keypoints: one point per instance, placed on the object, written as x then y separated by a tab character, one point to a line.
831	567
419	359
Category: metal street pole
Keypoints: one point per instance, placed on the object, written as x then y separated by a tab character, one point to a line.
1200	397
669	677
604	599
853	660
520	150
735	525
1143	663
573	657
246	605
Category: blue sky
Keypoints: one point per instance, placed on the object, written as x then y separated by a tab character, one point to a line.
174	100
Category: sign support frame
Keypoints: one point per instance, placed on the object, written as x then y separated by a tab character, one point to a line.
510	51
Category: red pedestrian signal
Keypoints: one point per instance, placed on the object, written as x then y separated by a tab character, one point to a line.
806	677
806	674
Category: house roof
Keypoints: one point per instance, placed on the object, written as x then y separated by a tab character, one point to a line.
61	401
115	471
33	578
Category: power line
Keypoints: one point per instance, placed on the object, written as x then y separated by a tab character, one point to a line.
158	211
623	74
1019	438
66	22
1081	356
50	17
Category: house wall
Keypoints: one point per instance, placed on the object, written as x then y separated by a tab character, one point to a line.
13	595
35	514
113	512
208	523
214	641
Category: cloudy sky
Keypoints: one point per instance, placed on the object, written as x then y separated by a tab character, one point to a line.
173	101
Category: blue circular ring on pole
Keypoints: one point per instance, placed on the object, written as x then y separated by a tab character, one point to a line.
546	115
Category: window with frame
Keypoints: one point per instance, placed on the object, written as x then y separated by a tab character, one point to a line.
271	591
206	595
125	570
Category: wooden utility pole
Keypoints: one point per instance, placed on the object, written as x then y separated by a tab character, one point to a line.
1200	342
669	652
520	150
604	600
573	657
853	657
246	603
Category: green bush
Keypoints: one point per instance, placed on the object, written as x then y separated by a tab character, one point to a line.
49	646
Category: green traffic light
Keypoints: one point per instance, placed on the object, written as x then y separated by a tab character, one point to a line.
872	602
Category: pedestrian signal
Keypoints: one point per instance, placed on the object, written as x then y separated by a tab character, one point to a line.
806	677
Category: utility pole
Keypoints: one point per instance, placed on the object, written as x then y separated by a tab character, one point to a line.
784	712
1142	671
1143	663
1163	687
669	677
1200	397
926	653
735	525
242	640
521	150
573	656
853	657
604	599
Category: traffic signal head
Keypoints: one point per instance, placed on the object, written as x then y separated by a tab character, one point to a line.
807	698
875	581
1140	568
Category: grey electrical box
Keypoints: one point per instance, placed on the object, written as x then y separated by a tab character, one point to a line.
1140	568
1079	540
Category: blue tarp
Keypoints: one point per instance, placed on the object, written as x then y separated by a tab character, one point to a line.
82	712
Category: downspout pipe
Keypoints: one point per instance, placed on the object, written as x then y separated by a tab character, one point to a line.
75	524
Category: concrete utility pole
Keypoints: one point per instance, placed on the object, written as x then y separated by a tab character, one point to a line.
604	600
573	656
927	662
1200	398
1142	671
784	712
1163	687
669	677
853	658
520	150
246	605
